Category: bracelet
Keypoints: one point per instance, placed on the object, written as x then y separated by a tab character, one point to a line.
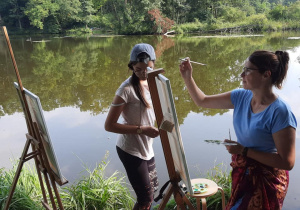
245	151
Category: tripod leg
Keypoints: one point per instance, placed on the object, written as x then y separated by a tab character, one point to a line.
17	175
166	198
56	194
37	163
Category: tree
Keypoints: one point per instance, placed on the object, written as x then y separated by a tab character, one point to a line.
87	12
232	14
12	12
293	12
279	12
68	12
38	10
176	10
162	24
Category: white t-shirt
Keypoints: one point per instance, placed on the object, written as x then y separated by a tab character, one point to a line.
135	113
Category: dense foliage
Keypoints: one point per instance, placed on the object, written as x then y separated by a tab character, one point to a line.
142	16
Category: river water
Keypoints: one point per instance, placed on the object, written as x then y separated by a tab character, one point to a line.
76	79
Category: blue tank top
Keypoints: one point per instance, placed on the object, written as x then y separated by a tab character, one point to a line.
255	129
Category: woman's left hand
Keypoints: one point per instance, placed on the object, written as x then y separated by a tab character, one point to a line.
234	149
150	131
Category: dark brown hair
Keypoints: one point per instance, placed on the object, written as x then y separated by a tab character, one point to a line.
276	62
135	81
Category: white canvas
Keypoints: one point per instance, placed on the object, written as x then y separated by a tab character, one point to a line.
175	141
36	113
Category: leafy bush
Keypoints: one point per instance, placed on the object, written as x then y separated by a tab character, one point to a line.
79	31
232	14
279	12
257	21
196	26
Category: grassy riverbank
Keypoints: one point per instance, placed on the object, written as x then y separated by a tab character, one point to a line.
251	24
94	190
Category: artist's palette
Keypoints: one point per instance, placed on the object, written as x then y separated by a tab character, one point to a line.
200	188
220	142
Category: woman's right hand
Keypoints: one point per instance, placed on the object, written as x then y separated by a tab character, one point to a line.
150	131
186	69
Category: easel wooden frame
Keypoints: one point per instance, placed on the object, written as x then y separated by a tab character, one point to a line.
38	153
174	188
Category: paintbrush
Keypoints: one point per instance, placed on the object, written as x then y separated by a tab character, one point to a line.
184	59
166	123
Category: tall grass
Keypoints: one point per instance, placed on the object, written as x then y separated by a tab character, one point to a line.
27	194
93	191
222	177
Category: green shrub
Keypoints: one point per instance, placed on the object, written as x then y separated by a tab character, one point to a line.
232	14
257	21
189	27
79	31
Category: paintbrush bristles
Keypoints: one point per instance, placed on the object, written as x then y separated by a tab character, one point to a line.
166	125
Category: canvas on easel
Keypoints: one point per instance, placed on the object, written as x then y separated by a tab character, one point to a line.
166	118
36	112
175	140
38	139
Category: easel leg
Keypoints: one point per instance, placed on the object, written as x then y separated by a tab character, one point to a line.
57	194
187	201
42	161
45	167
179	197
166	198
36	161
17	175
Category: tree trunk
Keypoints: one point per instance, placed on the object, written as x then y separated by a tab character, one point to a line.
20	24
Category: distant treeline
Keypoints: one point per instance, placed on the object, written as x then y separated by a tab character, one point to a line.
147	16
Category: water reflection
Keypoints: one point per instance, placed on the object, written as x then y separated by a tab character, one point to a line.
76	79
85	73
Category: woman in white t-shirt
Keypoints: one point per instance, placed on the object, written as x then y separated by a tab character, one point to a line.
136	133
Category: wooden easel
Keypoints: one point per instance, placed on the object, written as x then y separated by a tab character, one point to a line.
174	187
38	153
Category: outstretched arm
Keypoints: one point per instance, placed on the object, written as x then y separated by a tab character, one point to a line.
219	101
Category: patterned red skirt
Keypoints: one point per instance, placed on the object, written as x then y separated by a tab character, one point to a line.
259	186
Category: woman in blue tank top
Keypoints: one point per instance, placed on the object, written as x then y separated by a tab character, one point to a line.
265	128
